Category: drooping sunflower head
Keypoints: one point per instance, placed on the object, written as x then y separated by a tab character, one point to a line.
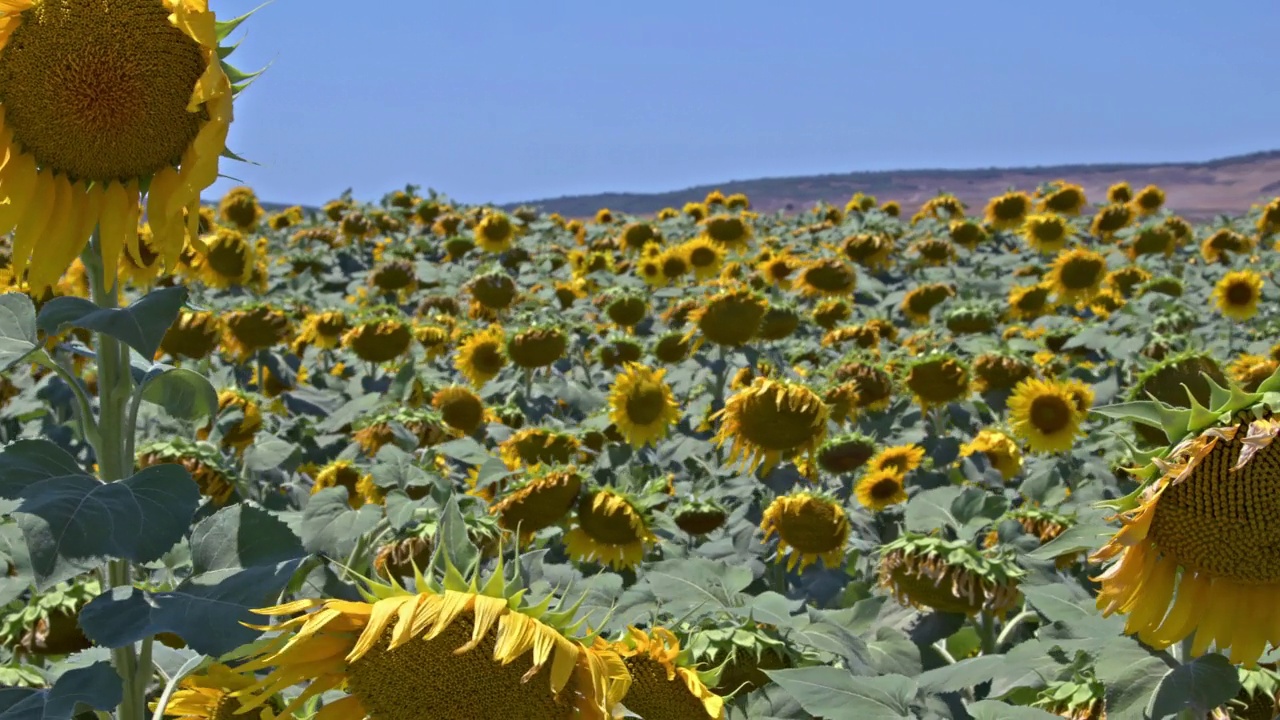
1111	219
209	694
460	408
931	573
610	527
85	137
247	411
1008	211
731	317
542	498
409	427
642	405
1077	275
831	312
672	348
240	209
493	289
873	251
1249	371
780	321
636	235
665	683
1148	200
345	474
943	206
1028	302
972	318
254	327
1047	232
1000	371
380	336
400	655
229	260
699	517
826	277
732	232
934	251
1119	193
937	380
880	489
770	418
846	453
625	307
537	346
1127	280
1191	555
1064	199
323	330
202	460
966	233
538	446
921	300
194	335
1222	244
1170	380
1045	415
810	527
874	384
482	355
999	449
1237	294
618	350
1150	239
495	232
393	275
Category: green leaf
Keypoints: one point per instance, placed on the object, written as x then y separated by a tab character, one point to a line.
268	453
331	527
452	537
996	710
1131	675
242	536
1071	606
966	673
834	693
206	610
184	394
892	652
931	510
464	450
17	328
1088	537
1200	686
141	325
96	686
74	517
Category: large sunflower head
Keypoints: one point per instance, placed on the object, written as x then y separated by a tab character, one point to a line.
1047	232
1000	450
400	655
937	380
1127	280
626	308
1045	414
194	335
240	209
966	233
542	498
482	355
460	408
1000	371
1077	275
879	489
1028	302
1222	244
780	321
380	336
899	459
642	405
323	330
610	527
1194	550
1148	200
810	527
826	277
1008	211
494	289
1151	239
731	317
672	348
84	138
705	257
393	275
1237	294
931	573
229	260
254	327
1174	381
770	418
665	684
874	384
831	312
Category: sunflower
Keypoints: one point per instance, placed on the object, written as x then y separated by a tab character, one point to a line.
826	277
1218	247
1000	450
900	459
424	427
321	329
210	694
402	656
203	461
1127	280
194	335
1007	212
873	384
1237	294
609	528
846	453
493	289
732	232
1193	554
770	418
228	261
1044	414
1150	240
393	275
1064	199
674	263
664	683
972	319
252	328
870	250
1119	193
830	312
240	209
1110	219
731	317
481	356
948	575
1148	201
285	219
543	498
495	232
920	301
1249	371
538	446
777	269
537	347
380	338
879	489
672	348
165	104
704	256
641	405
780	321
636	235
141	271
809	526
737	201
966	233
1028	302
937	380
242	434
944	206
1077	275
460	408
345	474
1046	232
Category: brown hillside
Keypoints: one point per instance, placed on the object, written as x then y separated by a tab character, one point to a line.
1195	190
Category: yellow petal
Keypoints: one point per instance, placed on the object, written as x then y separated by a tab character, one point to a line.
51	198
1153	601
455	603
383	612
1183	616
345	709
487	611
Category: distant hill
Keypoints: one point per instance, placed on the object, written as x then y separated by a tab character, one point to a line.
1197	190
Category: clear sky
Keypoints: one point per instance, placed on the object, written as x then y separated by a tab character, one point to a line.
518	100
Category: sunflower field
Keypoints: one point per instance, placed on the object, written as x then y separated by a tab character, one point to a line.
424	460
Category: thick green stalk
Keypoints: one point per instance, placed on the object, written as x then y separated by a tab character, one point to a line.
115	385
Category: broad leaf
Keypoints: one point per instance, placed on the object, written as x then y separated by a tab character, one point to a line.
242	536
834	693
184	394
996	710
331	527
95	686
1200	685
141	325
17	328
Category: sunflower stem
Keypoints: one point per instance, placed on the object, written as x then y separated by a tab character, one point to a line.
114	438
986	626
1006	633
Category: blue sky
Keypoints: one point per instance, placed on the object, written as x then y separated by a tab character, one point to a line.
508	101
